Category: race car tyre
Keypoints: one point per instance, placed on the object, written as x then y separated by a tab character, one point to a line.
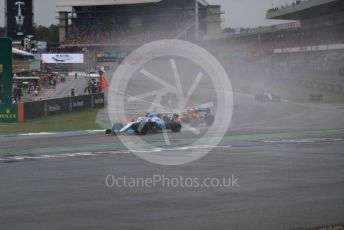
155	130
142	131
176	127
209	120
108	131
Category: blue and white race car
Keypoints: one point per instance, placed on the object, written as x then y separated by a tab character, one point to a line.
150	123
267	97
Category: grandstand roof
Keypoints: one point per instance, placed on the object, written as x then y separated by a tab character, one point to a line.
306	9
21	52
63	3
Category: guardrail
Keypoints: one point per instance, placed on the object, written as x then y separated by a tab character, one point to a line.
313	84
62	105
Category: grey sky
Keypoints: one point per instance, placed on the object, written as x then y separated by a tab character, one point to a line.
238	13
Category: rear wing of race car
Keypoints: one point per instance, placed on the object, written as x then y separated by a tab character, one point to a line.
204	110
168	116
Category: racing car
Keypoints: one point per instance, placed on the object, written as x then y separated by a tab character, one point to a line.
150	123
196	116
267	97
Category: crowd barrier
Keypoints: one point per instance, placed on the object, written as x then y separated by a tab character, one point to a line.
323	86
62	105
316	97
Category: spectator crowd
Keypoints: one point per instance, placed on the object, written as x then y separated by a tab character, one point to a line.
109	29
297	2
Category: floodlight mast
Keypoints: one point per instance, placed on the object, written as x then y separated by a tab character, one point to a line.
196	21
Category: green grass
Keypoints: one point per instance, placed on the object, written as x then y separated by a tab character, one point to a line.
80	120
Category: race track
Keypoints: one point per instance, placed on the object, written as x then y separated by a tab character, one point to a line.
287	157
289	168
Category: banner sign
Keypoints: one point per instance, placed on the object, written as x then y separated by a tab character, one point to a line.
42	45
63	58
19	18
8	113
110	56
309	48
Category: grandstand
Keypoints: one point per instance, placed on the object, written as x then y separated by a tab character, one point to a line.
317	22
135	22
322	21
106	30
311	48
314	54
308	52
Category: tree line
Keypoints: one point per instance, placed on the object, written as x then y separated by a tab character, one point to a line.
42	33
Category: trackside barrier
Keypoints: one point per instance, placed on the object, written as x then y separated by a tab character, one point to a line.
21	115
328	87
316	97
62	105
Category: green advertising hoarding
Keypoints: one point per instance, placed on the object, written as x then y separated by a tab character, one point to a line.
6	70
8	113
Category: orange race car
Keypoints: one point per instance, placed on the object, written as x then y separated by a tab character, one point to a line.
195	116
